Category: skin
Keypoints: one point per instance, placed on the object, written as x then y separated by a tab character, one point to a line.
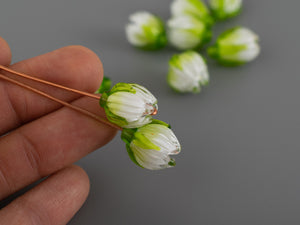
40	138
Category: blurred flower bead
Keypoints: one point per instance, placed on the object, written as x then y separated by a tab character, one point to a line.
150	146
235	47
187	72
223	9
194	8
187	32
129	105
146	31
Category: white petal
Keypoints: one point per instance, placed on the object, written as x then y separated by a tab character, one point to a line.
183	39
185	32
126	105
141	18
232	6
186	7
140	122
228	6
151	159
241	36
182	82
194	65
250	53
135	35
162	137
144	94
192	72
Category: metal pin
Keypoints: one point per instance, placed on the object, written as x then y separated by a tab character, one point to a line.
49	83
76	108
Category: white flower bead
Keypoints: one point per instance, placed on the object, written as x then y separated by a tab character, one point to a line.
129	105
223	9
236	46
194	8
187	32
187	72
146	31
150	146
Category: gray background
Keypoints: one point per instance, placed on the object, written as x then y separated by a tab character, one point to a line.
240	136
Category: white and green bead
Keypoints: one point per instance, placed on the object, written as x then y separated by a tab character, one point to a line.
129	105
146	31
150	146
223	9
186	32
235	47
187	72
193	8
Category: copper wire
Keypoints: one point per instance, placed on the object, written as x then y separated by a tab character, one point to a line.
76	108
49	83
154	112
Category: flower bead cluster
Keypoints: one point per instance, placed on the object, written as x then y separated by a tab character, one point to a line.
149	142
189	29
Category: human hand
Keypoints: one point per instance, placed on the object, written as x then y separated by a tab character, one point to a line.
40	138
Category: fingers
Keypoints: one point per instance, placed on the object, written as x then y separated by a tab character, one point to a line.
5	53
73	66
48	144
54	201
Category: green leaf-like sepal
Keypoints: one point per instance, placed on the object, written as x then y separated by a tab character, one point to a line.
120	121
124	87
103	100
220	15
127	135
154	121
220	49
105	86
213	52
175	61
159	40
141	141
172	162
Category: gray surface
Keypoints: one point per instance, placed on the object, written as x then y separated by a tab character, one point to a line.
240	137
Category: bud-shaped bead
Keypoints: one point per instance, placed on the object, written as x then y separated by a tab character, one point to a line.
223	9
194	8
150	146
236	46
186	32
129	105
146	31
187	72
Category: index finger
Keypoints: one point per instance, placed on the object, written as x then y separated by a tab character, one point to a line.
5	53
